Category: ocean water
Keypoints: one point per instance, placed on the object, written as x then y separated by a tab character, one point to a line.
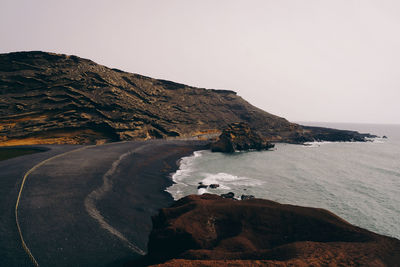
360	182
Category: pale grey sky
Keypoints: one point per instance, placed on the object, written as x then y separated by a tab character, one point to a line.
305	60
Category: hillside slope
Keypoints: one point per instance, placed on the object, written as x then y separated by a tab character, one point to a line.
54	98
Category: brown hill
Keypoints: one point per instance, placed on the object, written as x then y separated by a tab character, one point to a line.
54	98
209	230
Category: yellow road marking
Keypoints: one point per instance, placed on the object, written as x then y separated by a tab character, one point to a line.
27	250
25	247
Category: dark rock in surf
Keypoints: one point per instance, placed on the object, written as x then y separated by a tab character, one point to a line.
213	186
311	133
228	195
245	197
239	136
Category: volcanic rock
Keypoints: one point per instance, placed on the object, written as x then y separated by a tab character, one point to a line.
327	134
228	195
239	136
245	197
55	98
202	186
208	230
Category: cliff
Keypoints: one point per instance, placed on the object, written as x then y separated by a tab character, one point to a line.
54	98
209	230
239	136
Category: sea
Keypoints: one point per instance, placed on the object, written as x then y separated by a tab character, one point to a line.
358	181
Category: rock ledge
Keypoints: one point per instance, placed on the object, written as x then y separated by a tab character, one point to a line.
239	136
209	230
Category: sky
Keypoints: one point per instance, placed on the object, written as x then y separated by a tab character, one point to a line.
305	60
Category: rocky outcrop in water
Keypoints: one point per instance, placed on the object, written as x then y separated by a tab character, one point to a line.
209	230
333	135
54	98
239	136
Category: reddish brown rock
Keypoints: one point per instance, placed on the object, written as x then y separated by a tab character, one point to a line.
209	230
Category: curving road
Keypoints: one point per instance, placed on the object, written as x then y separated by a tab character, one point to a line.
89	207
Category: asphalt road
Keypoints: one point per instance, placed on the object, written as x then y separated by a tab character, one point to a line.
90	207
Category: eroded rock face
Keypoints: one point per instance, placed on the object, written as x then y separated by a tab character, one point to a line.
209	230
239	136
67	99
54	98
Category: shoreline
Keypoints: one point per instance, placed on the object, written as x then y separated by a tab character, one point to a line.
52	213
322	188
138	193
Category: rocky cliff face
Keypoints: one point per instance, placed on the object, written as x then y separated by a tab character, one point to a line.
209	230
239	136
59	98
53	98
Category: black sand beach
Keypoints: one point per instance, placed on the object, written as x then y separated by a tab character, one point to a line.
91	207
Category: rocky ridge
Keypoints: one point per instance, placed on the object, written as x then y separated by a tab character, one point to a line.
208	230
55	98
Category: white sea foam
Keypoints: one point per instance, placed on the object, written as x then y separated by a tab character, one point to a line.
202	191
187	178
378	140
185	167
226	179
183	174
316	143
357	181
